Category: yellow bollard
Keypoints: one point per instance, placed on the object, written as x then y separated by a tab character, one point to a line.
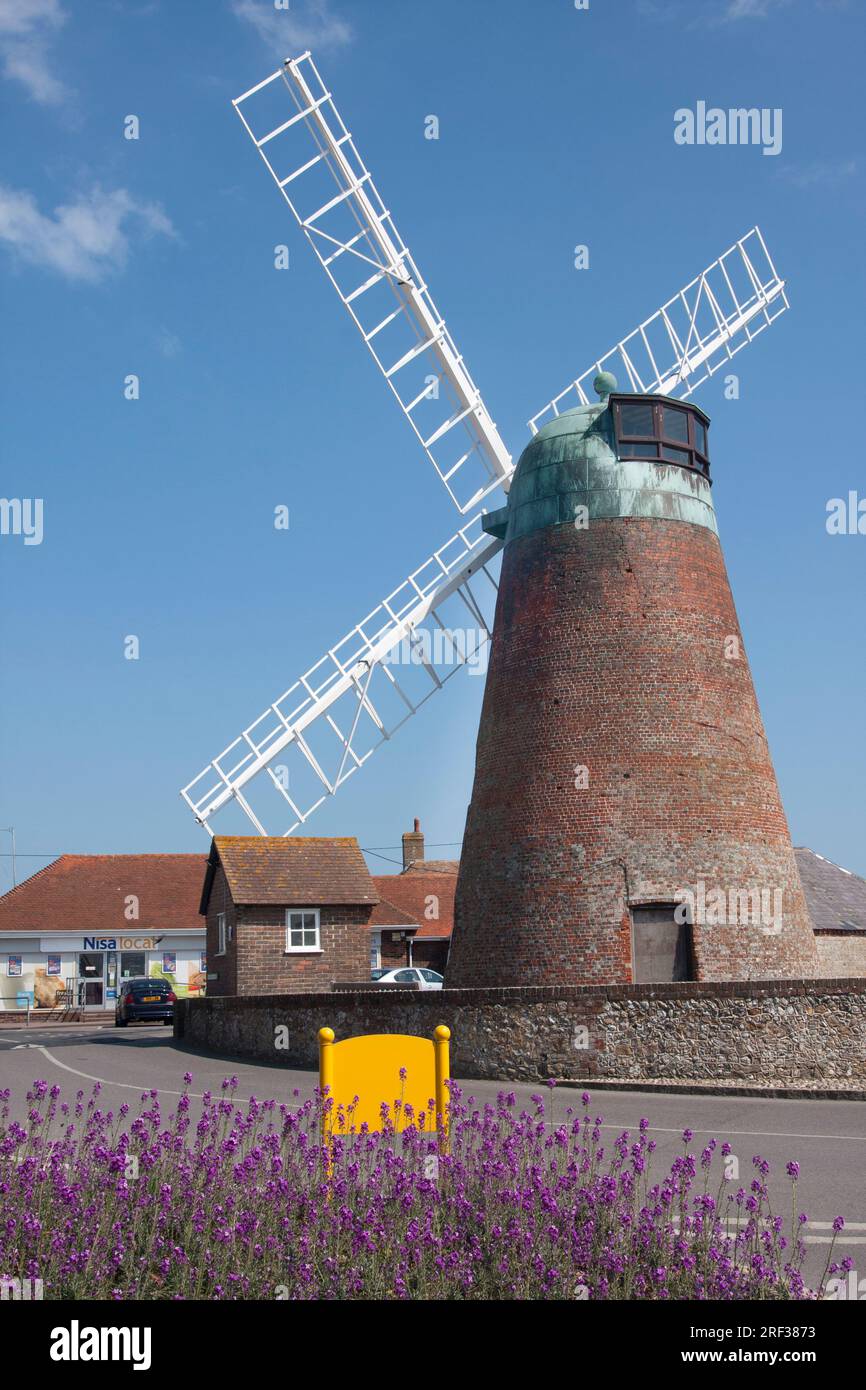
442	1053
326	1084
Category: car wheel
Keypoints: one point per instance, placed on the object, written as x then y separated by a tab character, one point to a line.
167	1022
120	1022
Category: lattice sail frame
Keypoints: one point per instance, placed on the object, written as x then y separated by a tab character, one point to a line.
351	674
697	331
367	261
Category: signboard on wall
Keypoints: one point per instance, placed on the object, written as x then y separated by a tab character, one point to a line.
14	967
52	965
73	942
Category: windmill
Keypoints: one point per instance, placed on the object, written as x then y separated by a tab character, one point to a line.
335	716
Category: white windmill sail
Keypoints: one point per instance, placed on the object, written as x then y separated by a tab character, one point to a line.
317	168
695	333
324	727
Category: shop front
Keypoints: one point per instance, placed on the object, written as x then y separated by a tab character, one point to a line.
86	972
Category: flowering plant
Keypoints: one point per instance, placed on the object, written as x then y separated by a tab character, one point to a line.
243	1201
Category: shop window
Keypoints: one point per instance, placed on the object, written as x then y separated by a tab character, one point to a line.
133	964
302	930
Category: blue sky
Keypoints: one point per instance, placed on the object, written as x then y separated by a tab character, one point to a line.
155	257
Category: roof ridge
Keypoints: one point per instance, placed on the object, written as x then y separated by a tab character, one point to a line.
39	872
824	860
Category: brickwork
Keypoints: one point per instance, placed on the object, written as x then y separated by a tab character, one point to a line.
609	652
841	953
766	1032
225	967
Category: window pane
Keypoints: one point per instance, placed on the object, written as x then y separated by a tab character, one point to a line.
636	418
405	977
297	936
132	963
677	456
640	451
676	425
310	937
700	435
310	920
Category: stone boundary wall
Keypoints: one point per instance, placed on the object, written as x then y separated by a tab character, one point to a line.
761	1031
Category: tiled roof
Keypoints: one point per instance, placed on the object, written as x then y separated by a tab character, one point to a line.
835	897
87	893
388	914
433	866
415	894
288	869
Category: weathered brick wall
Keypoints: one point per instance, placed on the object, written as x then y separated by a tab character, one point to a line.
265	967
225	967
609	653
770	1031
841	953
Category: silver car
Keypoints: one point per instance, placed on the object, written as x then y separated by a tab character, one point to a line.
417	975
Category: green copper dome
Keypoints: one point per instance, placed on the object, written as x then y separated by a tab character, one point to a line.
572	464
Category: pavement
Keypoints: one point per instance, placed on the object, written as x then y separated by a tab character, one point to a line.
826	1137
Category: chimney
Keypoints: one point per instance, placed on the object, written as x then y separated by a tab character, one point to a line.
413	845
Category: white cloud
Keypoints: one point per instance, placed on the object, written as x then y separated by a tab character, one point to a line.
84	239
751	9
307	24
822	173
27	29
169	343
715	12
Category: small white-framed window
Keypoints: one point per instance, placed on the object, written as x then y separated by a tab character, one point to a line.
222	938
303	929
376	950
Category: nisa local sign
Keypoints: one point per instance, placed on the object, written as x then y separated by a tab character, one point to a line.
99	943
118	943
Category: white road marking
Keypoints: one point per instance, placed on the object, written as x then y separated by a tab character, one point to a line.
841	1240
739	1133
125	1085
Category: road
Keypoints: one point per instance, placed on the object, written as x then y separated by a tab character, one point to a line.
826	1137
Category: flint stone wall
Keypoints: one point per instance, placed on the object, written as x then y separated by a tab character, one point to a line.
764	1031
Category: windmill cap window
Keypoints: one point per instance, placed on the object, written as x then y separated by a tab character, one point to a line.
655	427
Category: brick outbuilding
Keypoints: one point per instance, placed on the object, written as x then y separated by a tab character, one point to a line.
286	914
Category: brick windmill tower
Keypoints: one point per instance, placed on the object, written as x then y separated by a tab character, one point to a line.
625	821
